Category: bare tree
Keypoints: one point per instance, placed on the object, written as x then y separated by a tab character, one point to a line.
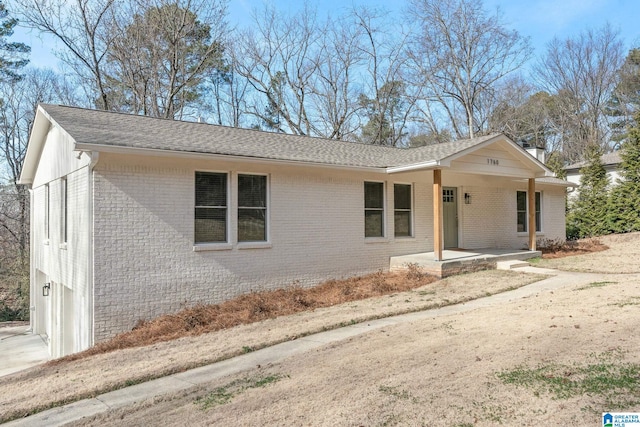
17	113
461	52
80	25
161	53
387	107
521	113
335	86
278	58
582	73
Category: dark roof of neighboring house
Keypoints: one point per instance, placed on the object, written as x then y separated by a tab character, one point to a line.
102	128
609	159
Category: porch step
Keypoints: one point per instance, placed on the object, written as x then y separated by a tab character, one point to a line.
511	264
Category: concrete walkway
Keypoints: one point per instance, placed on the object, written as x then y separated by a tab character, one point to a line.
277	353
20	349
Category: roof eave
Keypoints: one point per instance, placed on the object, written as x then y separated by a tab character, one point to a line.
115	149
431	164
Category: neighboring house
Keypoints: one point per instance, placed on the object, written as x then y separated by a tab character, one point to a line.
611	163
134	217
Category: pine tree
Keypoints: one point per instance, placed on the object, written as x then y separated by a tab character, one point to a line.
587	215
13	55
624	203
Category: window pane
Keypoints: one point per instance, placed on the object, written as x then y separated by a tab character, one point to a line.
403	224
211	189
373	195
522	221
252	191
373	223
538	215
65	206
211	225
46	211
252	225
402	196
522	200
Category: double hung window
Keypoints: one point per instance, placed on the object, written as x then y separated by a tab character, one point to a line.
252	208
522	211
402	210
212	204
211	207
373	209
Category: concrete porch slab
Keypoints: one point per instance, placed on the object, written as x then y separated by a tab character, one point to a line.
460	261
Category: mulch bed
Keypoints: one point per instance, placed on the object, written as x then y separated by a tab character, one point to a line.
552	249
257	306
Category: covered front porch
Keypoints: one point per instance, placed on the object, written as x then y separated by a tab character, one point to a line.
460	261
483	195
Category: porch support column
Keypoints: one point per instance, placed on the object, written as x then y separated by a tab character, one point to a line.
531	195
437	214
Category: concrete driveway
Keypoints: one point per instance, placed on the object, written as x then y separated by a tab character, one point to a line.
20	349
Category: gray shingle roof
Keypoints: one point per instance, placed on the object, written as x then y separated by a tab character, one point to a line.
126	130
555	181
606	159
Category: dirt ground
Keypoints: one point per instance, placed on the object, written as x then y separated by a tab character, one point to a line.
560	357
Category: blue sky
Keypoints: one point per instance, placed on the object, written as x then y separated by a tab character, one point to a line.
540	20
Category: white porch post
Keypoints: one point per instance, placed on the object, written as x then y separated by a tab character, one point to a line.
437	215
531	195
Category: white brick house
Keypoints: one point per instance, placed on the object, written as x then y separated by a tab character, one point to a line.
133	217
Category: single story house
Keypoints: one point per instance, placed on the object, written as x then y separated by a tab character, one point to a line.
611	163
134	217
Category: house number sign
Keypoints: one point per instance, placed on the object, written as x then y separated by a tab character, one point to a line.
493	162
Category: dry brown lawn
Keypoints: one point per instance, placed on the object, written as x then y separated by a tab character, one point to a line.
69	380
556	358
528	362
622	257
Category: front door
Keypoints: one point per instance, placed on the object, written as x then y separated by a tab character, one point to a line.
450	216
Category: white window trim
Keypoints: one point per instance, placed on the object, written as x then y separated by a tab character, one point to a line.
232	216
385	234
526	233
412	234
255	244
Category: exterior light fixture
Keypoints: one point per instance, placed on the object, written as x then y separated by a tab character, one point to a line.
45	289
467	198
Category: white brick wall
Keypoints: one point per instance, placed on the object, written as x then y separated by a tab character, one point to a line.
146	266
490	221
144	260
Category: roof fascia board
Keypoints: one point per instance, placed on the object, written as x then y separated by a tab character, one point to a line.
556	184
225	157
432	164
41	125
